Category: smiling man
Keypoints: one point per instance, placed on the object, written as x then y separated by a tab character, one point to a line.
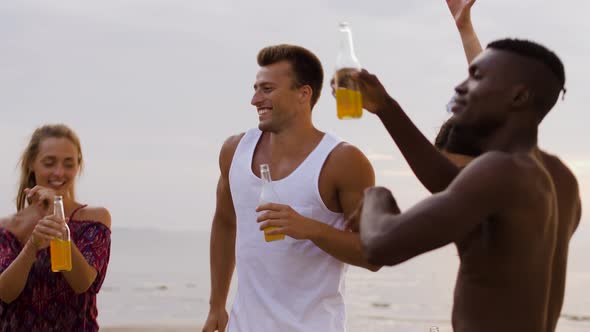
295	284
501	210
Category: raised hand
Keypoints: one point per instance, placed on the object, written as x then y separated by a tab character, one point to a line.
375	97
461	11
42	198
374	94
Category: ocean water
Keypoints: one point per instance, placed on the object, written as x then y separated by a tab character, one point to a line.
158	277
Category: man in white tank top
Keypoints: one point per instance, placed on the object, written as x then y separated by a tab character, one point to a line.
295	284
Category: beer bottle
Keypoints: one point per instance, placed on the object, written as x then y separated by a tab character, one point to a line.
348	96
268	195
60	248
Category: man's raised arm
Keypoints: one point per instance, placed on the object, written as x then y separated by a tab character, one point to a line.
432	168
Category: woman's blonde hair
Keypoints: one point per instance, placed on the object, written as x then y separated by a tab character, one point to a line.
27	176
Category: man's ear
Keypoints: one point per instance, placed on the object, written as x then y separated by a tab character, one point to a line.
305	93
522	96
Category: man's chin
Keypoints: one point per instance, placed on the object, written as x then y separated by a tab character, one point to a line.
467	139
265	126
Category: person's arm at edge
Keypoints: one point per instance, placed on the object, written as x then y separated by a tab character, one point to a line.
222	242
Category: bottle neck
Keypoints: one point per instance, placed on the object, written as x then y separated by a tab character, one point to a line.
265	176
346	46
346	56
58	210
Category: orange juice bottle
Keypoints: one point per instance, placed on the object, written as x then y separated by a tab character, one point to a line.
349	103
268	195
60	249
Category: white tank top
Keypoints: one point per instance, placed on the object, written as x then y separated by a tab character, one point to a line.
288	285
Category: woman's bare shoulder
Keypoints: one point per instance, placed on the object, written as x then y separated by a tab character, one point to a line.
95	213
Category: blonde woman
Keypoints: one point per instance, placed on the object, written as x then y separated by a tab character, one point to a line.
32	297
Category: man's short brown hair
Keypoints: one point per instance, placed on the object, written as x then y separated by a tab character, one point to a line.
306	66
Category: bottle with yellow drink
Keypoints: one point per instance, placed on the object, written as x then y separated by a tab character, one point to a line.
60	249
268	195
348	96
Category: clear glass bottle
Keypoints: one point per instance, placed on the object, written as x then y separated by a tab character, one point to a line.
349	103
268	195
60	249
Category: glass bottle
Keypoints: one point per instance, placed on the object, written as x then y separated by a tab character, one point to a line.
349	103
60	248
268	195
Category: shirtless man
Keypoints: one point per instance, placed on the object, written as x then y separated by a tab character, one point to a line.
502	210
566	185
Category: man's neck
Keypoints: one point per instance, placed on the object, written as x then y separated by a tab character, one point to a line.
293	139
515	137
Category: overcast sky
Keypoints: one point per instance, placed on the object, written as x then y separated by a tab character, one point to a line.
154	87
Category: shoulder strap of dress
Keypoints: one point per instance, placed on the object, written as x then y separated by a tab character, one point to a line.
76	210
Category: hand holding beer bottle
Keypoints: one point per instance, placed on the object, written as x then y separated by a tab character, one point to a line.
348	96
268	195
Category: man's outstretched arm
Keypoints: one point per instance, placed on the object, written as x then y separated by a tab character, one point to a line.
487	186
